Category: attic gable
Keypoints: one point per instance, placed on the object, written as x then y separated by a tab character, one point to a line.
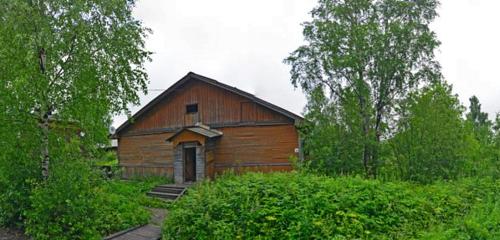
191	78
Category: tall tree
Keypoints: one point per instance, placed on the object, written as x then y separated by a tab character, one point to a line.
70	61
475	115
496	129
479	121
376	49
484	161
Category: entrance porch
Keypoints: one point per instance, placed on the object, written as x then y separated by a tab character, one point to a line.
193	156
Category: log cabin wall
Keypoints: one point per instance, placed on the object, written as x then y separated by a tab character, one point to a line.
146	155
254	137
250	148
262	148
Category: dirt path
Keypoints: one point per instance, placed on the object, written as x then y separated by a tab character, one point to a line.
11	234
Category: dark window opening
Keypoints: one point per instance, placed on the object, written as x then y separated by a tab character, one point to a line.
192	108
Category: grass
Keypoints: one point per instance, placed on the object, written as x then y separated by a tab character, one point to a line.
124	204
135	190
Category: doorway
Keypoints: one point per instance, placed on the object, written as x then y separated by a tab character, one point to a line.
190	164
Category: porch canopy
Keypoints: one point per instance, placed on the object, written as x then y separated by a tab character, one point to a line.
199	133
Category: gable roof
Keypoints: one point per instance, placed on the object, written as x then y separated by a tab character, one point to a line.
192	75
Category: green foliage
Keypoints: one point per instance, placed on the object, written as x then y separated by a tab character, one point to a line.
135	190
301	206
18	169
65	206
496	143
66	68
76	203
72	205
482	222
372	51
108	159
432	141
332	137
479	120
18	174
91	209
484	160
94	63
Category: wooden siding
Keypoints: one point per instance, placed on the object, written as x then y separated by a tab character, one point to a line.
146	155
216	106
252	148
260	147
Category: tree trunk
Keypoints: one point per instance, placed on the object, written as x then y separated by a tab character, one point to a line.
376	143
366	147
44	125
45	145
366	136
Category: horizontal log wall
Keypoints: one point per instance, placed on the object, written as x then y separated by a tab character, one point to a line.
256	148
262	148
146	155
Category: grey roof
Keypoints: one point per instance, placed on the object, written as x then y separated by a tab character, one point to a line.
202	130
213	82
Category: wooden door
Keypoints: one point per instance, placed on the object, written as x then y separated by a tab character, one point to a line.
190	164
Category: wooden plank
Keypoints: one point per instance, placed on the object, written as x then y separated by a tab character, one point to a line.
245	145
146	232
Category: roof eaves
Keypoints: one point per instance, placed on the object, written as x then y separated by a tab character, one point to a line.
152	103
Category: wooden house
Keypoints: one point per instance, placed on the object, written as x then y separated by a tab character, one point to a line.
200	127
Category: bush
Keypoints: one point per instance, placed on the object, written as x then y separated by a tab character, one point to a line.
19	171
75	203
65	206
432	141
482	222
135	190
300	206
16	184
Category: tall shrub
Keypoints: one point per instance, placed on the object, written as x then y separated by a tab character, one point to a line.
19	168
331	137
432	141
76	203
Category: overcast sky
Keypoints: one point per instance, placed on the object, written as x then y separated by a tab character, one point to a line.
243	44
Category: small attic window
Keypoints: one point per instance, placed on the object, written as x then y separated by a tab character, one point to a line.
192	108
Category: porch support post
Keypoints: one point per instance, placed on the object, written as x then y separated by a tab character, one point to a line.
178	165
200	162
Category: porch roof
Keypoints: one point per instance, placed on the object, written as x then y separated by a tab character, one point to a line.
200	129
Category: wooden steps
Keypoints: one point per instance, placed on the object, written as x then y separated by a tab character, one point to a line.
168	191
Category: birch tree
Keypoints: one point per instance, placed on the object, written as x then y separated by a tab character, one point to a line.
76	62
377	49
